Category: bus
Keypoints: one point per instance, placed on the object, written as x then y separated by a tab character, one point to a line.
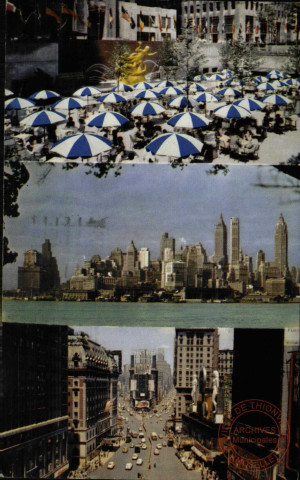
153	435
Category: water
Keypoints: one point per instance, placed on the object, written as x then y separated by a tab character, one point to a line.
152	315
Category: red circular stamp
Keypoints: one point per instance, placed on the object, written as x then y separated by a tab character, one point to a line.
255	437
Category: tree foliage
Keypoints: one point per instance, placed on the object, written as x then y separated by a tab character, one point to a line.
241	57
119	59
292	67
167	58
189	54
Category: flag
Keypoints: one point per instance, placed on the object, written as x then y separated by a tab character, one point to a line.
125	14
132	22
194	23
248	27
67	11
296	26
175	22
223	27
233	28
152	21
167	24
10	7
199	27
159	23
110	17
285	25
211	28
51	13
141	23
257	29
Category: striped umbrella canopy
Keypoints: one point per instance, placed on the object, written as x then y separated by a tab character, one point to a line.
147	94
69	103
17	103
265	86
249	104
292	82
44	95
232	111
189	120
275	74
175	145
226	72
182	101
199	78
276	100
147	108
81	145
87	92
228	82
112	98
216	76
171	91
278	84
207	97
197	87
107	119
165	83
142	86
123	87
8	93
230	92
43	118
260	79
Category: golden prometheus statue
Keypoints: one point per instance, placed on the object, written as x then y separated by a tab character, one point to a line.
134	69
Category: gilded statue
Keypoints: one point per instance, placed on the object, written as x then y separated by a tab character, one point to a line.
134	67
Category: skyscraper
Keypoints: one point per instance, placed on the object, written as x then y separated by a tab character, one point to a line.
221	242
281	245
166	242
234	241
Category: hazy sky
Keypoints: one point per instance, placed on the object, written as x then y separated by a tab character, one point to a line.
131	339
141	204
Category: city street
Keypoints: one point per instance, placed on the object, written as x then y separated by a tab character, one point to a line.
167	465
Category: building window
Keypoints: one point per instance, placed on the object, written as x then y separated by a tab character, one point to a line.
75	404
211	7
233	4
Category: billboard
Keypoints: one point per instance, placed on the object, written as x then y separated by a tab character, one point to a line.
142	404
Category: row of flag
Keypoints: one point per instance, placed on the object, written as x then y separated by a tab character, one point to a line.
10	7
125	15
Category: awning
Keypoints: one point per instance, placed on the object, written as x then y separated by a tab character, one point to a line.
199	454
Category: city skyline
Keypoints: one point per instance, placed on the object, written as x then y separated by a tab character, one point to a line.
77	214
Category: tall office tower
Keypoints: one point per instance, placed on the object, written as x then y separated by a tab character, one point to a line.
195	257
234	241
144	258
281	246
221	242
260	258
92	396
143	380
33	400
166	242
194	348
130	260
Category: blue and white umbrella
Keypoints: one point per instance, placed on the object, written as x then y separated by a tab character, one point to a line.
165	83
232	111
112	98
197	87
175	145
107	119
87	92
260	79
8	93
123	87
43	118
171	91
69	103
142	86
265	86
216	76
199	78
276	100
44	95
227	73
228	82
147	108
182	101
147	94
275	74
83	145
292	82
229	92
207	97
189	120
278	84
18	103
249	104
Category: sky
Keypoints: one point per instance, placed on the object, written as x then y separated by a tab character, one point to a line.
133	339
144	202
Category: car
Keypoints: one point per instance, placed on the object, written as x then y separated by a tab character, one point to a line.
156	452
164	444
188	466
131	445
111	465
141	435
144	446
128	466
158	446
140	429
125	450
143	440
135	456
160	436
183	459
139	461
